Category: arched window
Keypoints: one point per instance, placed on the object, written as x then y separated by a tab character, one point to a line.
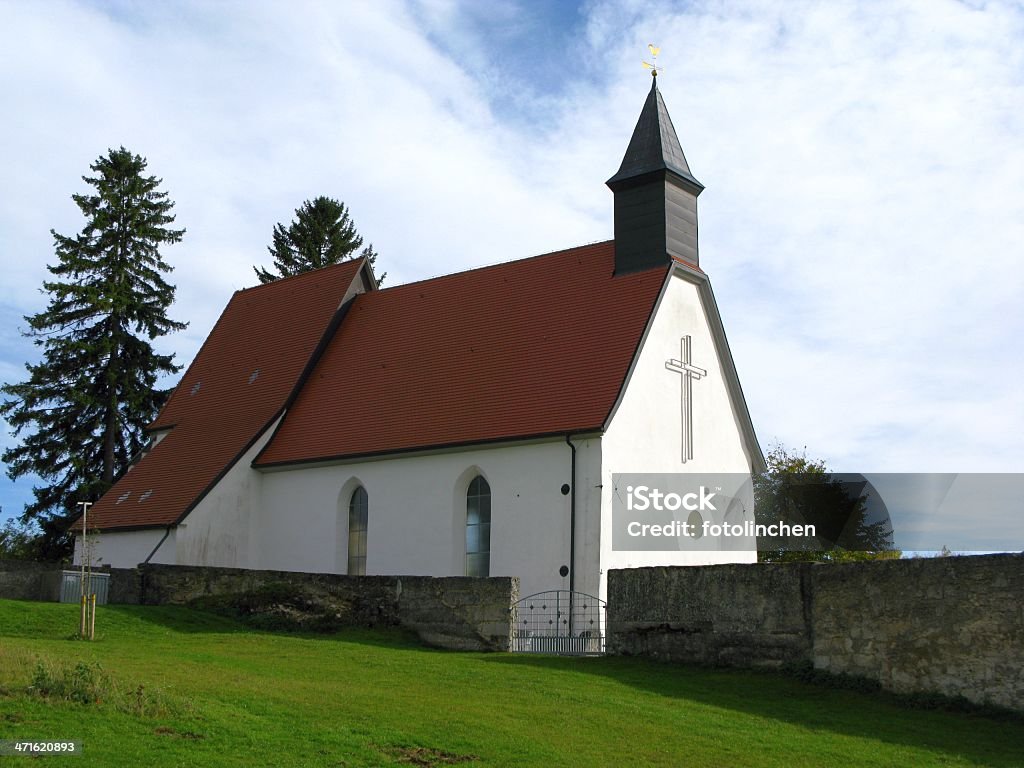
478	528
358	511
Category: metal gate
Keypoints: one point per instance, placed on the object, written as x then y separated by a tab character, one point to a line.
559	622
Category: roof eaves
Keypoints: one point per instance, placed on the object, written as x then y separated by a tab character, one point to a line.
439	447
126	528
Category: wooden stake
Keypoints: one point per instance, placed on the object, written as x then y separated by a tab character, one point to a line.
85	527
92	617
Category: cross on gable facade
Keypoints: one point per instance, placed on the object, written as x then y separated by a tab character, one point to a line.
689	373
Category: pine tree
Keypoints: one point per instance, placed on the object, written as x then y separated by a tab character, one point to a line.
321	234
84	407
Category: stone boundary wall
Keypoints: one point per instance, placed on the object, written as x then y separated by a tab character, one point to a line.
23	580
952	626
460	613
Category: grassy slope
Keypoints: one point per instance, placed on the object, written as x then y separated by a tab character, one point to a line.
356	699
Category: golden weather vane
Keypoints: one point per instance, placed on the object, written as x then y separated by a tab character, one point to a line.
655	69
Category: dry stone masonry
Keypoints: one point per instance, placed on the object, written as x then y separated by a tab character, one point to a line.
953	626
460	613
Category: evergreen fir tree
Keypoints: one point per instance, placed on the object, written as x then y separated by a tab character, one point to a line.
84	407
321	234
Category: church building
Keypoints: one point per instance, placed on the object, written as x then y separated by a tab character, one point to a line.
470	424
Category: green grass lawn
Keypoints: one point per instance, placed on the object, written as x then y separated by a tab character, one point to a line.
227	695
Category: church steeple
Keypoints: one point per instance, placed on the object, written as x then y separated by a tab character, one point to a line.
655	194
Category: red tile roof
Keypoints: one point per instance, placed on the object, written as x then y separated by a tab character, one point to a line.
533	347
237	385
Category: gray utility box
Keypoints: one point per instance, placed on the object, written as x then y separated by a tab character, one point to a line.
71	586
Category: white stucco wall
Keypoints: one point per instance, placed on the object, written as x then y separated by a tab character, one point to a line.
221	530
217	532
128	548
417	509
645	434
297	519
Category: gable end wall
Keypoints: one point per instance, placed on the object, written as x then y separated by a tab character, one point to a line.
645	432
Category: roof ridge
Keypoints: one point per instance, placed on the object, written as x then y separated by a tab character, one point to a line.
495	266
307	273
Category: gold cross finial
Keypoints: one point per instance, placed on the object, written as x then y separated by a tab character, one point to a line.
655	50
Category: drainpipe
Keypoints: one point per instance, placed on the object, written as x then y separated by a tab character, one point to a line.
166	534
572	531
142	574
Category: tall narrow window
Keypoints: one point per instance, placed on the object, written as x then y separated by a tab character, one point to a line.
358	512
478	528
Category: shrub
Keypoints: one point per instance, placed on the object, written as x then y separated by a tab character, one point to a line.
84	683
87	683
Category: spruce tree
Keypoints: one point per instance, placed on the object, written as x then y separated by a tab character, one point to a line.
81	414
321	234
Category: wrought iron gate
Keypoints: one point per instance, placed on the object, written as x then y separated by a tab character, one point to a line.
559	622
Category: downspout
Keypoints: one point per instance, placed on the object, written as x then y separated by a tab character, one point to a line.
572	530
142	574
166	534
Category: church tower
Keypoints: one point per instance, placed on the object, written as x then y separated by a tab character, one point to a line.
655	194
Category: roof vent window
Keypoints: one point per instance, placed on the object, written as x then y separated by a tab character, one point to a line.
146	495
195	388
254	375
123	496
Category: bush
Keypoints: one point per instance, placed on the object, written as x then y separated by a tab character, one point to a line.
87	683
84	683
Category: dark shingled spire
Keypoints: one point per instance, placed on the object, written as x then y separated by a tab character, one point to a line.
655	194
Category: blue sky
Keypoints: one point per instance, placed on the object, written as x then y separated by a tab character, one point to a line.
864	165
